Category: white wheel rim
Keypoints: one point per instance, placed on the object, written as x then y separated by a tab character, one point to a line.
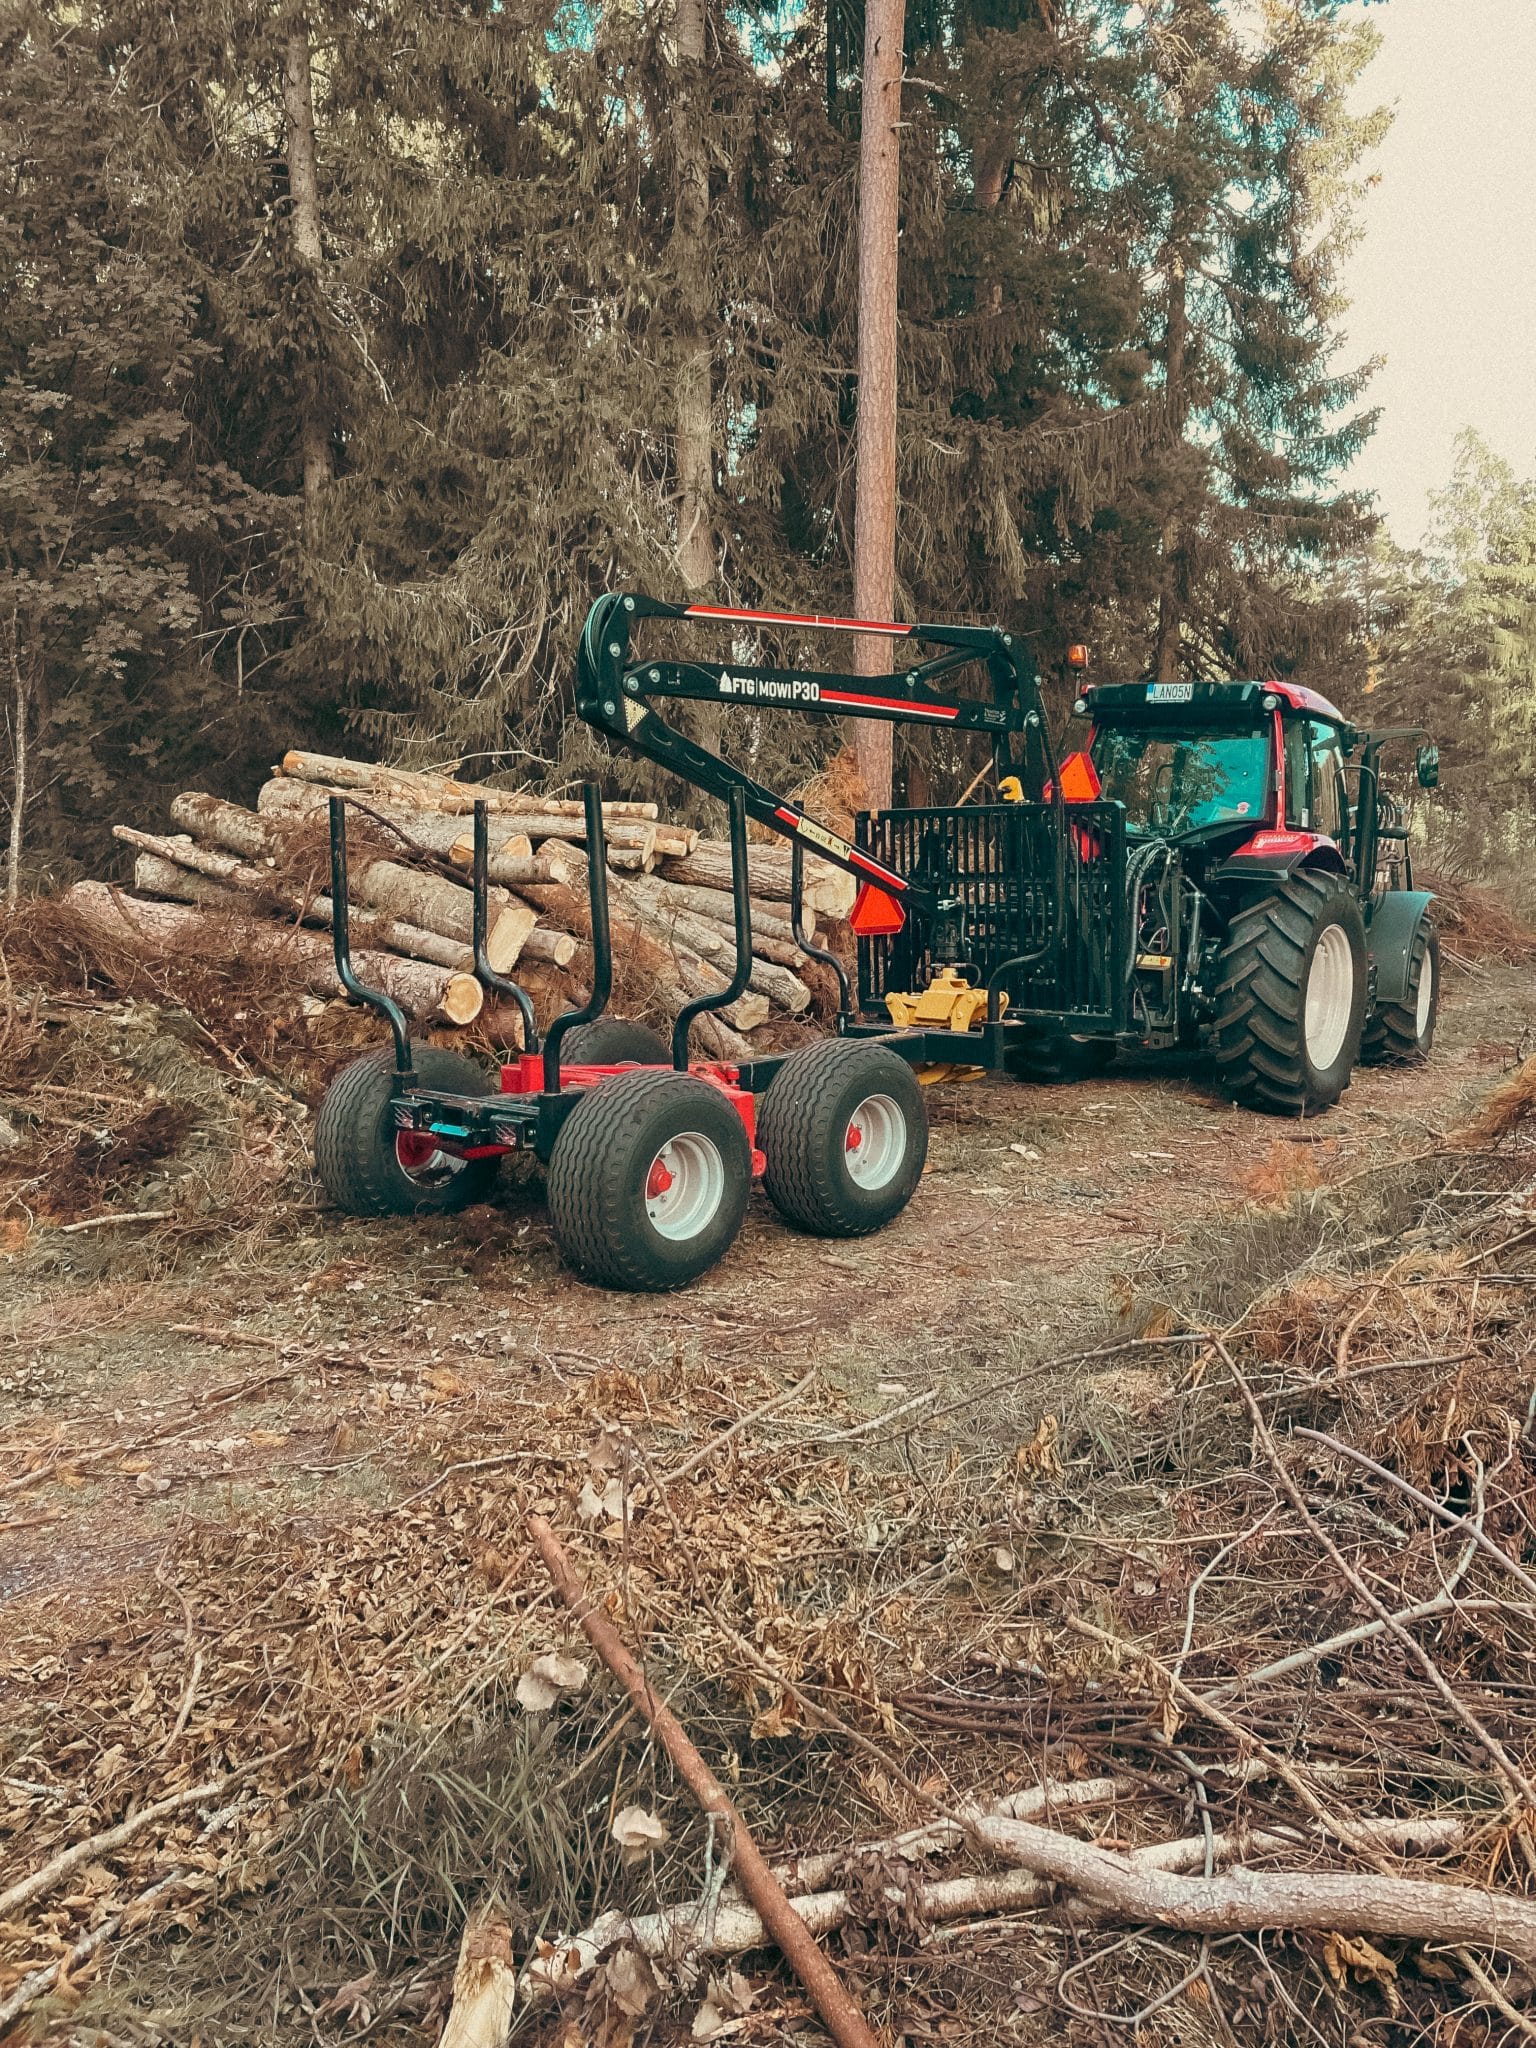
1330	996
684	1186
432	1168
875	1142
1426	1000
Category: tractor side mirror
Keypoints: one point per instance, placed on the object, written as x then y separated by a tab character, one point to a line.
1428	764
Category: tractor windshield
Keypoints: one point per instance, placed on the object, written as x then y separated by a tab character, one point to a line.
1178	779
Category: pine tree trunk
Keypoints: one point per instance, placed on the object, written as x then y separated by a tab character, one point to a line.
304	214
695	440
874	531
1170	596
21	702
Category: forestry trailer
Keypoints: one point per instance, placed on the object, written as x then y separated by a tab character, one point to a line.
1212	864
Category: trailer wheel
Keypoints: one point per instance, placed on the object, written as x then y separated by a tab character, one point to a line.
649	1180
369	1168
610	1041
1290	1005
1402	1033
1063	1056
844	1130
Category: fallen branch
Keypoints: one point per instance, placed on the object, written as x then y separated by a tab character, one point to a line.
1322	1901
39	1982
844	2022
115	1216
47	1875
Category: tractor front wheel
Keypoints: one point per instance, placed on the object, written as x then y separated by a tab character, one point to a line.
369	1168
1402	1033
1291	1000
844	1131
649	1180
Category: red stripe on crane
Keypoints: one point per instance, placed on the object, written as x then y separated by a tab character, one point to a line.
905	704
718	611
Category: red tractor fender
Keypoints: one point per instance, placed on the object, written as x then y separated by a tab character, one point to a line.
1279	851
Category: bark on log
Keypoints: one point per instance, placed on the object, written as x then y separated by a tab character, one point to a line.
568	909
436	832
226	825
442	906
484	1983
827	889
769	919
169	931
515	864
444	792
153	876
703	978
711	941
1357	1902
557	948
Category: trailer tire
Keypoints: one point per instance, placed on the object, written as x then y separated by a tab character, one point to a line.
369	1168
1062	1057
825	1105
1401	1034
1290	1004
610	1042
649	1180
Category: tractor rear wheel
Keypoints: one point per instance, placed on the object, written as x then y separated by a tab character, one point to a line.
610	1042
844	1131
649	1180
1402	1033
1290	1005
369	1168
1061	1057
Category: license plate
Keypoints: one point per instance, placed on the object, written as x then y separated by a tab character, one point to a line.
1170	693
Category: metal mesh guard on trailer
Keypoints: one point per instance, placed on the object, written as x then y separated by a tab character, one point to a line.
1000	860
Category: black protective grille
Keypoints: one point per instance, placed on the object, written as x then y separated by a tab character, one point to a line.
1005	863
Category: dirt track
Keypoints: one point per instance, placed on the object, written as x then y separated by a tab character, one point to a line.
323	1363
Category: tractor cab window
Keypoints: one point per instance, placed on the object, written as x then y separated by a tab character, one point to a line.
1298	801
1330	805
1180	779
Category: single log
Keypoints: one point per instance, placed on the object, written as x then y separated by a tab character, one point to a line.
245	884
443	792
558	948
769	919
626	832
515	864
169	931
442	906
627	859
702	978
675	842
432	831
844	2022
484	1983
827	889
223	824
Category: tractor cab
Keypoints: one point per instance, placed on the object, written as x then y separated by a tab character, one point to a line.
1222	767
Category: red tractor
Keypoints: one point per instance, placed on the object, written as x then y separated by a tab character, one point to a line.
1215	863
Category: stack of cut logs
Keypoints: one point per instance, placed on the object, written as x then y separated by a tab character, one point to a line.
238	885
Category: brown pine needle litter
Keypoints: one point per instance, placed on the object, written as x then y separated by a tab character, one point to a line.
857	1630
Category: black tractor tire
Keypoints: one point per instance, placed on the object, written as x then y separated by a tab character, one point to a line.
1401	1034
612	1218
610	1042
358	1149
824	1104
1283	947
1061	1057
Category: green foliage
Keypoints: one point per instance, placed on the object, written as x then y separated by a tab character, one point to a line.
490	344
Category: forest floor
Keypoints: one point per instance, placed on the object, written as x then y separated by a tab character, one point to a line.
248	1394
